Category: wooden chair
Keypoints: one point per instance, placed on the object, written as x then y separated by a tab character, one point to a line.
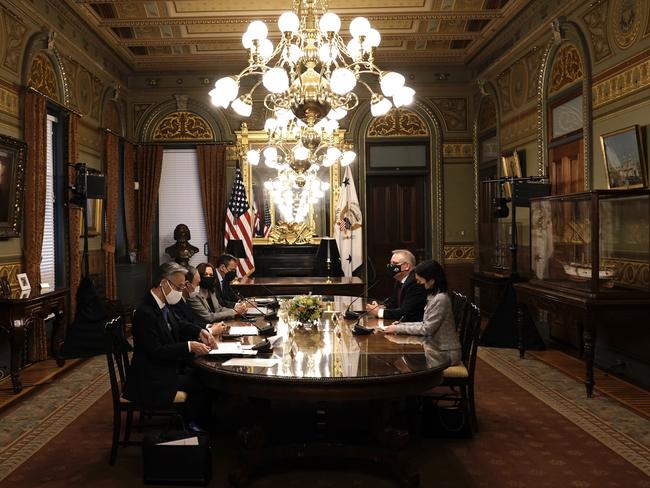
460	378
117	357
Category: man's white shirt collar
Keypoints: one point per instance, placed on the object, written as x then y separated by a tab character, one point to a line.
160	303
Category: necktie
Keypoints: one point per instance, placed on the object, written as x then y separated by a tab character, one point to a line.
165	312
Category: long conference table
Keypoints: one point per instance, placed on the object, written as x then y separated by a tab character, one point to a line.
327	363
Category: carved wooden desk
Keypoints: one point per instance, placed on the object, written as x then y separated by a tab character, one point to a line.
284	285
19	311
588	311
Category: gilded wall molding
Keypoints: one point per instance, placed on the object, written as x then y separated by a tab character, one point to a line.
629	81
522	126
625	21
15	33
596	22
9	101
42	76
457	150
567	68
459	253
454	112
182	126
398	123
635	273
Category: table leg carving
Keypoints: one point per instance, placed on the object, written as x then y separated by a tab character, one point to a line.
589	339
17	338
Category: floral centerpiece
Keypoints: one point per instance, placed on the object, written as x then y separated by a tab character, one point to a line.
305	308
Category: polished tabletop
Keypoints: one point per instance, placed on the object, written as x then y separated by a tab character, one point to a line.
329	355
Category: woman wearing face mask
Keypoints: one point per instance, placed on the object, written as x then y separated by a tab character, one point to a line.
438	321
206	304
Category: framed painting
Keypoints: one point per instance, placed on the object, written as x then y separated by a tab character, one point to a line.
510	168
624	158
13	154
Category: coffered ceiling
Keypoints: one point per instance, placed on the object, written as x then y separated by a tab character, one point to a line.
198	34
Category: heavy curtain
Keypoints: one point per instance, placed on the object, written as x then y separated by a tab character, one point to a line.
35	179
110	230
74	216
129	197
212	175
149	164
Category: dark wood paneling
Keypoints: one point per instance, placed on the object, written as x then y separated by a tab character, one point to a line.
458	277
285	260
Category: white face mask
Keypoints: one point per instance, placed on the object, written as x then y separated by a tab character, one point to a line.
174	296
197	290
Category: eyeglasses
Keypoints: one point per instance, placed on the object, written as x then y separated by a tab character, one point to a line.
180	287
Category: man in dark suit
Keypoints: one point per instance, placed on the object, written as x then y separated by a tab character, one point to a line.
185	313
162	348
226	267
408	298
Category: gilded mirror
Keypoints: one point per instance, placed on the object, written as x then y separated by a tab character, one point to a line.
269	226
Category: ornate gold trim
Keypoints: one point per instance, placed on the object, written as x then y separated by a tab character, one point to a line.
9	270
457	150
42	76
183	126
629	81
291	233
398	123
459	253
9	101
625	22
567	68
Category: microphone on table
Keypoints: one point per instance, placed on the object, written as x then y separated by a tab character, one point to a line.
265	329
359	329
351	314
275	304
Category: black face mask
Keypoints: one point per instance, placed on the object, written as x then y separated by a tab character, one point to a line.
229	276
207	282
393	269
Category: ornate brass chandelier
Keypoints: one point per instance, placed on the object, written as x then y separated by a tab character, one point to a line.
310	76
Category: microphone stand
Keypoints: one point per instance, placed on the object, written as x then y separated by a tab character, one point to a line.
350	314
268	328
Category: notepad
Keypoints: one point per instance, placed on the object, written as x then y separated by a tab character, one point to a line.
243	330
224	348
257	362
258	311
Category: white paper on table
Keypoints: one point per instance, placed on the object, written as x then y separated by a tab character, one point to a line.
257	362
257	311
188	441
242	330
231	348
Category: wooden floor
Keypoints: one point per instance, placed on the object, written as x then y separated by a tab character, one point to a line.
34	376
633	397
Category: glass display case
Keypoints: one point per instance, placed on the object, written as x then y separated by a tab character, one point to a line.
597	241
495	255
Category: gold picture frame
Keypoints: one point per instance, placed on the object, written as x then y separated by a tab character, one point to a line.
13	154
624	157
94	213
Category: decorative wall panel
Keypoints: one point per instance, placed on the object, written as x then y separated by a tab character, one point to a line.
629	81
454	112
567	68
182	126
42	76
459	253
596	21
9	101
520	128
398	123
14	36
9	270
625	21
457	150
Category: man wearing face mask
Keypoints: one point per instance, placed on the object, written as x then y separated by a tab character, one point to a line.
206	304
184	312
226	272
163	347
409	298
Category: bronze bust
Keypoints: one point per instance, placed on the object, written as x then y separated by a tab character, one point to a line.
182	250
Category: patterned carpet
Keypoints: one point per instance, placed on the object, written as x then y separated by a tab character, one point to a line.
537	429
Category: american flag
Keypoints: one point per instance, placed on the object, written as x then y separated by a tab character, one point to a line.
239	223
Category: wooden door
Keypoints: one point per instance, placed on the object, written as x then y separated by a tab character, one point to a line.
567	168
396	219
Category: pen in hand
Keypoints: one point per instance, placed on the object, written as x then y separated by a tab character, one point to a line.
399	321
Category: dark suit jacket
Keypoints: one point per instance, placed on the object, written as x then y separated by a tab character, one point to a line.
186	315
158	353
413	298
226	296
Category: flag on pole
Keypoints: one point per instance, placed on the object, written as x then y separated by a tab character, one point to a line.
348	230
239	223
267	217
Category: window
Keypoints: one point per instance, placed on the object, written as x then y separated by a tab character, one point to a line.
48	252
179	202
